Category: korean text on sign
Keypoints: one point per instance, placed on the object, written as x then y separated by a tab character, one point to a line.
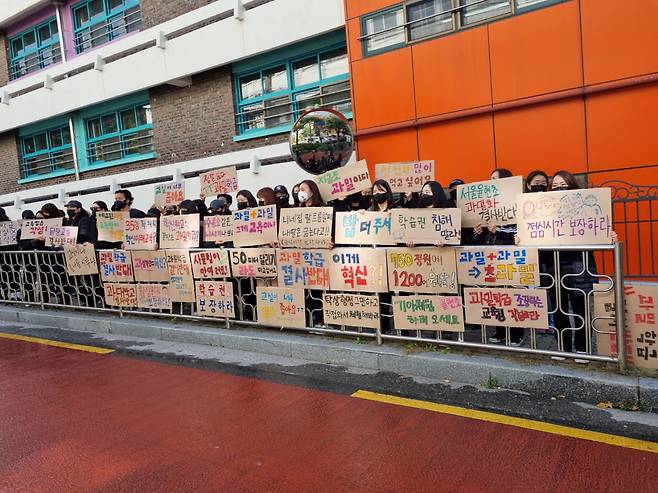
500	265
427	226
422	270
215	299
358	269
492	201
303	268
364	228
281	307
506	307
140	234
341	182
167	194
428	312
219	181
179	231
253	262
115	266
210	264
306	227
150	266
352	310
405	177
255	226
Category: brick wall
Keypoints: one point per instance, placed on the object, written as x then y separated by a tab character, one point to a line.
156	12
9	162
4	63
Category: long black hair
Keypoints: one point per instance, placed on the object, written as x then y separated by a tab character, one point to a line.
439	199
251	200
387	190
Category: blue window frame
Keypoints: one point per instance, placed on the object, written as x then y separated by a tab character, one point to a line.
34	49
272	98
47	152
383	31
96	22
117	136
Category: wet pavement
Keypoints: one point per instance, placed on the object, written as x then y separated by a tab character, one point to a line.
77	421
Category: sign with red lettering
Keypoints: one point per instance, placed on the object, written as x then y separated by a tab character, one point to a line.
150	266
422	270
506	307
34	229
210	264
169	194
281	307
501	265
303	268
427	226
253	262
428	312
140	234
341	182
358	269
153	296
120	294
181	282
255	226
218	229
405	177
215	299
179	231
492	201
218	181
115	266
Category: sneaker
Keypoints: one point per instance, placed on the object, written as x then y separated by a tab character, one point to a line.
495	339
516	343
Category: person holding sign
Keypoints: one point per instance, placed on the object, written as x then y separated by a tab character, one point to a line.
123	201
79	217
382	197
245	200
490	233
431	196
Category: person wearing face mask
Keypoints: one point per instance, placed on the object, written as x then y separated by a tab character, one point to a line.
228	199
309	194
219	207
452	190
431	196
282	197
266	196
77	216
123	200
245	200
382	197
295	195
187	207
366	198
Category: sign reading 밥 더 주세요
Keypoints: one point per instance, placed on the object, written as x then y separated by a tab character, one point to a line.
405	177
492	201
364	228
570	217
427	226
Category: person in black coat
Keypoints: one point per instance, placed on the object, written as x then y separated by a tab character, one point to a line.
79	217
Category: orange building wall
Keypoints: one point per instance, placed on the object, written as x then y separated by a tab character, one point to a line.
471	100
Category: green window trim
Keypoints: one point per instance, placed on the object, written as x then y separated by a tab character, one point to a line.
96	22
46	152
34	49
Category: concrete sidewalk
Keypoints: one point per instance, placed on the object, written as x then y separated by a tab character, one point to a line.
538	378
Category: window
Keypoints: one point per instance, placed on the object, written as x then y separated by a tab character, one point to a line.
120	134
274	97
34	49
46	152
429	17
384	30
96	22
483	11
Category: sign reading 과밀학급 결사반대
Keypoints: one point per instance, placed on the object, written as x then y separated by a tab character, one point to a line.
115	266
492	201
498	265
281	307
255	226
427	226
303	268
351	310
406	176
428	312
306	227
422	270
570	217
364	228
506	307
341	182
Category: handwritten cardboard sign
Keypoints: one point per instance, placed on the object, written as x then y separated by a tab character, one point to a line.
341	182
110	226
120	294
352	310
364	228
570	217
179	231
115	266
80	260
218	229
427	226
8	232
215	299
358	269
490	201
253	262
181	282
58	236
422	270
303	268
140	234
210	264
498	265
150	266
281	307
34	229
255	226
506	307
405	177
428	312
218	181
306	227
153	296
169	194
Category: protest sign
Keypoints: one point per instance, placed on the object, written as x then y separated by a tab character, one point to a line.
303	268
218	229
570	217
215	299
210	264
80	260
341	182
428	312
306	227
255	226
364	228
253	262
120	294
427	226
358	269
153	296
181	282
8	232
422	270
498	265
110	226
352	310
218	181
492	201
281	307
150	266
115	266
141	234
405	177
33	229
179	231
506	307
58	236
169	194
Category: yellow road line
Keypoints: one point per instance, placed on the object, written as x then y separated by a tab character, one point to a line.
65	345
528	424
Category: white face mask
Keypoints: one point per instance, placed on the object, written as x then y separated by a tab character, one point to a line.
303	197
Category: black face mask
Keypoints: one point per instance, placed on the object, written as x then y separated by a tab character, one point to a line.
118	205
283	200
453	195
366	201
71	213
295	197
538	188
379	198
559	189
426	201
93	213
261	203
243	205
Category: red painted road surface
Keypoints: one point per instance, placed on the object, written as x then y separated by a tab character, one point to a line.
73	421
